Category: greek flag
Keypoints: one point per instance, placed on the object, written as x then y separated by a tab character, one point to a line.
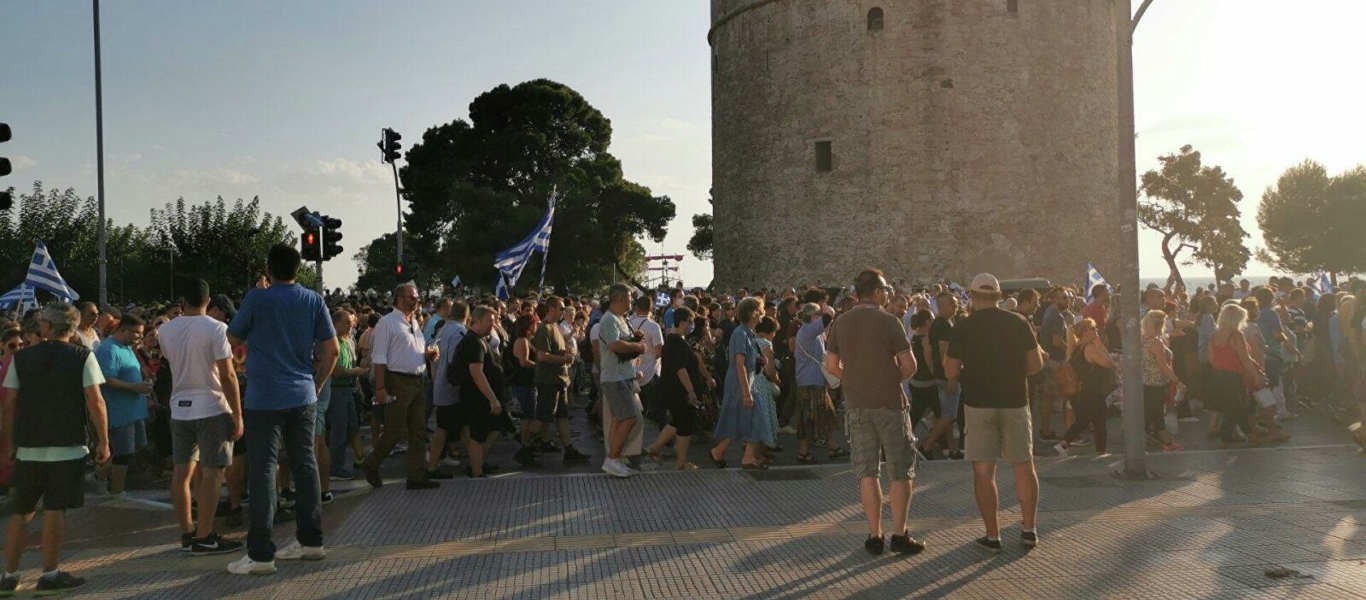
43	275
510	262
455	283
1325	286
501	292
21	297
1093	279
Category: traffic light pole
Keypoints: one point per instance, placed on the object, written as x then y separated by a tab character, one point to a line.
322	291
103	235
398	200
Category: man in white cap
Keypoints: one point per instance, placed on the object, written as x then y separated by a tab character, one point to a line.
992	353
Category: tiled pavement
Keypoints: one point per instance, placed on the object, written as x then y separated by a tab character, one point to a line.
1208	527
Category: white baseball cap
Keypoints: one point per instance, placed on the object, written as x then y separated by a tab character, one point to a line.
985	283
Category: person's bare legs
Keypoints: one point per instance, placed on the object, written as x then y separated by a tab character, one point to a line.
870	494
237	482
984	487
209	490
621	431
15	541
476	452
718	452
118	478
566	435
901	492
180	499
435	449
751	453
1026	489
1046	414
941	428
668	433
681	447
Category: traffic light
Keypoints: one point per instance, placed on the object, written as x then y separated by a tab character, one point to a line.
389	146
310	246
331	236
398	270
6	201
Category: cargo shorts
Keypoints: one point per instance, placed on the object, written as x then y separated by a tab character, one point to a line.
875	431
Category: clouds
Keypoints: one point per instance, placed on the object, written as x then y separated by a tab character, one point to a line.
21	162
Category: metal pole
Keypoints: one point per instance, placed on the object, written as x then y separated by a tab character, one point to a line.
1135	453
398	200
322	291
99	159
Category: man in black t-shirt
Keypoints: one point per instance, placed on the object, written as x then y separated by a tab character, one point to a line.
481	384
992	354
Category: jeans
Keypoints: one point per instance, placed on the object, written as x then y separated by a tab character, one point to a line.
343	417
265	430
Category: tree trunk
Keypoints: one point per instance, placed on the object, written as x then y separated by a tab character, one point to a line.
1170	256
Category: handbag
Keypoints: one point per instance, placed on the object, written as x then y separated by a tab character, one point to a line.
1069	383
830	380
636	336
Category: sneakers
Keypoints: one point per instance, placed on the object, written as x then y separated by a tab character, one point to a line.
439	474
874	545
1049	436
342	476
988	544
8	584
288	498
1062	450
526	457
422	484
572	454
297	551
247	566
615	468
49	585
450	462
1029	538
328	497
186	541
787	430
400	447
214	544
905	544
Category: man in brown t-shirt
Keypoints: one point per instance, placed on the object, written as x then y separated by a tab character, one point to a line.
869	352
553	359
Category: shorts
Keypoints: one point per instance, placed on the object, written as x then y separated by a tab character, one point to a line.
207	441
621	397
477	416
876	431
948	401
449	419
126	440
552	401
924	400
320	416
992	433
60	485
682	414
525	397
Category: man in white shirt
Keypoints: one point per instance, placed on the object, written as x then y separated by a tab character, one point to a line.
206	416
400	357
647	366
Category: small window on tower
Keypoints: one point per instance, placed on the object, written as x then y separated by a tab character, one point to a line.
824	159
1012	6
875	19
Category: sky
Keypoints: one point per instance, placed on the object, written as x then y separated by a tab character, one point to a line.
285	100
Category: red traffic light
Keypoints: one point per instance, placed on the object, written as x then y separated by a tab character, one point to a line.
398	269
310	239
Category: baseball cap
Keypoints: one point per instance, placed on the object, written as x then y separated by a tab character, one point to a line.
985	283
223	303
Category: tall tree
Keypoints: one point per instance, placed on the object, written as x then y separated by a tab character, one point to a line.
700	244
224	245
1312	221
477	187
1195	207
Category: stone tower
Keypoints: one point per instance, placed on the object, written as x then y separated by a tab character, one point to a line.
930	138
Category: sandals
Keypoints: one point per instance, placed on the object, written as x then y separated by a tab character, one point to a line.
806	459
689	467
754	466
719	462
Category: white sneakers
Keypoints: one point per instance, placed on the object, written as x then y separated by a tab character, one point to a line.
297	551
450	462
294	551
247	566
616	468
1062	450
787	430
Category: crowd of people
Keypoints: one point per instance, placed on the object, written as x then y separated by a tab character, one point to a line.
271	400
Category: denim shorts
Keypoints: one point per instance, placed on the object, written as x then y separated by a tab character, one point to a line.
948	401
127	439
525	397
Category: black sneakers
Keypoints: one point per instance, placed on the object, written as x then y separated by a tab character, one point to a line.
214	544
1029	538
905	544
56	583
527	458
8	585
874	545
186	541
328	497
988	544
572	454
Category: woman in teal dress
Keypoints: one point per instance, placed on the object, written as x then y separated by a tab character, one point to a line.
739	417
763	383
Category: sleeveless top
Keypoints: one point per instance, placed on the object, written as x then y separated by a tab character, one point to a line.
924	372
1095	379
1224	358
523	376
1152	370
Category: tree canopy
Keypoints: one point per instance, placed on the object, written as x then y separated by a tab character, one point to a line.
1195	207
703	236
1313	222
477	187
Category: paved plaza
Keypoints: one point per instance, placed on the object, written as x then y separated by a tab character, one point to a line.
1209	526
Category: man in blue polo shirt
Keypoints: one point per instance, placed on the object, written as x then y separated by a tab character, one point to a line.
125	399
284	326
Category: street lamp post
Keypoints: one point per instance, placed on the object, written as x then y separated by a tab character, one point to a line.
99	160
1135	451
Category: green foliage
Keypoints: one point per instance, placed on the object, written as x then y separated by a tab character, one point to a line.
700	245
1194	206
478	187
213	241
1311	221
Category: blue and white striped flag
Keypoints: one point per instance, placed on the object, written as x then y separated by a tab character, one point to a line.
501	290
1093	279
510	262
1325	286
21	297
43	275
455	283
